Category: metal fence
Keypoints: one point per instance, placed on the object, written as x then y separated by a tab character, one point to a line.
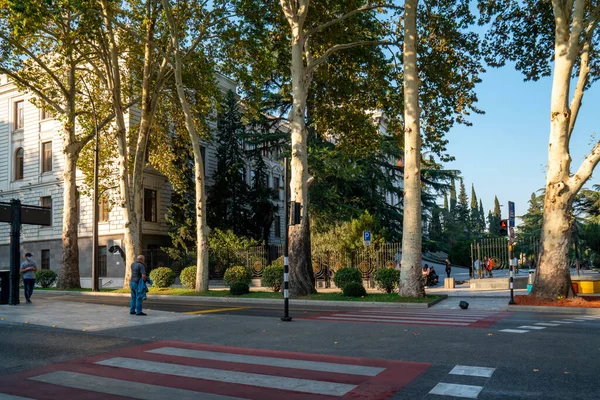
494	248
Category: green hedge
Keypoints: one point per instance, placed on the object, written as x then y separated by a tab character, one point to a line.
387	279
162	277
272	277
346	275
354	289
188	277
237	274
45	277
239	288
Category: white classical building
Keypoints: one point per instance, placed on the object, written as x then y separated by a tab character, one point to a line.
31	169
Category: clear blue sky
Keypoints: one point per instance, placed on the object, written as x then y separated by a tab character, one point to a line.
505	152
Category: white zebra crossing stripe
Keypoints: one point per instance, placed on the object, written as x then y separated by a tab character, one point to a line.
546	324
456	390
472	371
244	378
532	327
124	388
562	322
514	330
270	361
395	320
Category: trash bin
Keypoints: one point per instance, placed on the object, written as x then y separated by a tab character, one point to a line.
530	280
4	286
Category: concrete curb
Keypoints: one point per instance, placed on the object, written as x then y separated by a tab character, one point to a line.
293	302
558	310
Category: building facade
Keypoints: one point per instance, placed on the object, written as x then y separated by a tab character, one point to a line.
31	170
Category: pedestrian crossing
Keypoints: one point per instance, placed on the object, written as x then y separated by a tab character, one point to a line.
177	370
446	318
538	326
478	377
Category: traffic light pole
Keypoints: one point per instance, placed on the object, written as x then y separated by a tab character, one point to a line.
286	266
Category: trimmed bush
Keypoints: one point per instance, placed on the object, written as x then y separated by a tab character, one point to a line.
272	277
354	289
239	288
346	275
237	274
45	277
387	279
188	277
162	277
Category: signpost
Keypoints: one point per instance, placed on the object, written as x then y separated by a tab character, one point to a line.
367	238
286	264
17	214
511	214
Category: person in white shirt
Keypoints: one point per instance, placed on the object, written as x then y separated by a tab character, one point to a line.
476	268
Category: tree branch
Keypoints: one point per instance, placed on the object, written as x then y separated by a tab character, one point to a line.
352	13
585	170
39	93
39	62
578	22
339	47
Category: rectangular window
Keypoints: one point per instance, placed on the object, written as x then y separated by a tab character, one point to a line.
102	261
46	113
252	175
277	226
46	259
276	187
19	114
46	157
149	205
46	202
103	209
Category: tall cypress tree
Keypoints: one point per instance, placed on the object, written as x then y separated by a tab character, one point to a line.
461	212
435	226
481	217
452	195
494	218
475	220
228	198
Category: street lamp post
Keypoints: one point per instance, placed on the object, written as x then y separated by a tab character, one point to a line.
95	272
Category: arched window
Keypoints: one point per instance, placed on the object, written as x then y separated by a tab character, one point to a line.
19	164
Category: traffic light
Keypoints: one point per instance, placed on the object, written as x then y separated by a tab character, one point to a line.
504	227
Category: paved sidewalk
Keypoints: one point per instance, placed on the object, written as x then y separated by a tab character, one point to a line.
82	316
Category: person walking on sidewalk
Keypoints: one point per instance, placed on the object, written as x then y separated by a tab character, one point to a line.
448	266
28	269
476	268
138	271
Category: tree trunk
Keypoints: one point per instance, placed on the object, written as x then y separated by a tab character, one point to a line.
553	278
302	279
68	277
410	273
201	226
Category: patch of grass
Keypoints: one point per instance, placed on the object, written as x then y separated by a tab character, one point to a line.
371	297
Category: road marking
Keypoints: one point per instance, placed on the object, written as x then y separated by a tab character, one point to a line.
546	324
531	327
562	322
456	390
432	322
514	330
573	320
244	378
472	371
4	396
394	317
124	388
270	361
216	310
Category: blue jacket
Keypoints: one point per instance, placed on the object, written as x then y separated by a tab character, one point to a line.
142	289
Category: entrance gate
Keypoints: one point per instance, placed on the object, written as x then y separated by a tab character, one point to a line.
494	248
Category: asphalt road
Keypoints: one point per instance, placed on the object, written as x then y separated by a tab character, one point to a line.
552	359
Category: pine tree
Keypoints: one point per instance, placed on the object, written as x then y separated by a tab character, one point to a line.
481	217
461	213
228	198
452	195
435	226
261	196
